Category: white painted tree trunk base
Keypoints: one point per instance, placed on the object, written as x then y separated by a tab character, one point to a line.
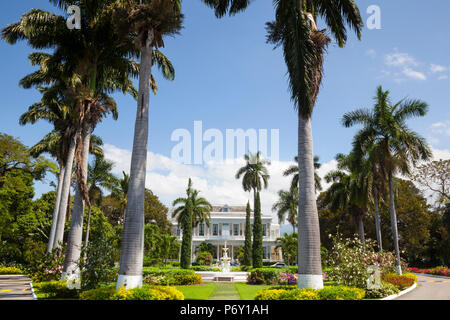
398	269
129	282
310	281
73	279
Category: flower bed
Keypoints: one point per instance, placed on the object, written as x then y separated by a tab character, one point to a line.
144	293
439	271
327	293
402	282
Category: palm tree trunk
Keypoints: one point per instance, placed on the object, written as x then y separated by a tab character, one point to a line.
309	260
59	234
378	223
71	270
51	237
88	227
132	251
362	236
393	215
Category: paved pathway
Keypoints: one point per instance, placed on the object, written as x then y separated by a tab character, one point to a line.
15	287
429	288
225	291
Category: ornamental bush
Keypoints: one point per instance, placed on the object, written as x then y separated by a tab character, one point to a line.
440	271
173	277
47	267
144	293
341	293
387	289
10	270
56	290
287	294
350	260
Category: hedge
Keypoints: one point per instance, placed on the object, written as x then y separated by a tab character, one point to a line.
144	293
327	293
10	270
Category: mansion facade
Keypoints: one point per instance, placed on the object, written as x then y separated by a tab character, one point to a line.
227	228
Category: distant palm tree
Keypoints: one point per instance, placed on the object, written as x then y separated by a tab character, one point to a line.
397	147
99	177
348	192
254	176
120	193
287	204
293	171
189	212
289	247
304	46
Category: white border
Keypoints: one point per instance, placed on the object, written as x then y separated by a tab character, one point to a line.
32	291
392	297
129	282
312	281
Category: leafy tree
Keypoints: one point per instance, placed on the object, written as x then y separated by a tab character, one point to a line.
186	224
289	247
156	211
435	177
247	254
257	252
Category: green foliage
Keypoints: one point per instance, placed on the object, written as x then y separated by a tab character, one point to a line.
387	289
257	252
268	275
174	279
350	260
56	290
98	266
158	246
185	259
341	293
204	258
47	266
283	294
289	247
10	270
144	293
247	255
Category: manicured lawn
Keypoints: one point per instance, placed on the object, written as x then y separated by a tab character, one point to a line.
197	292
247	291
221	291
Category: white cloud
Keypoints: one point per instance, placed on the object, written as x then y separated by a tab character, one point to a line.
412	74
441	128
435	68
398	59
444	77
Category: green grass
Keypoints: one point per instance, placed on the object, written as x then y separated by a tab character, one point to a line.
247	291
197	292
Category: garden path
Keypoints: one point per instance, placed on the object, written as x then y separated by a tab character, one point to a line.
15	287
225	291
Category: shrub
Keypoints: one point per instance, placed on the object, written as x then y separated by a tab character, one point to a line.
171	277
10	270
386	289
287	294
144	293
98	267
47	267
350	260
264	275
411	276
440	271
204	268
401	282
341	293
204	258
288	278
56	290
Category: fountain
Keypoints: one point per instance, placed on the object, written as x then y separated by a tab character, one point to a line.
225	261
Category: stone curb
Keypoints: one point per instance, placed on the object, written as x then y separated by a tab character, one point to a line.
392	297
32	291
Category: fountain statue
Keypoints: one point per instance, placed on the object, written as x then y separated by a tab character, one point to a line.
225	260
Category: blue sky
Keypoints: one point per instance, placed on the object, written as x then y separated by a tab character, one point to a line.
228	77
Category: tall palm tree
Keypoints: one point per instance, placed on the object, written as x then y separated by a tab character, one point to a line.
248	237
304	45
397	147
254	176
287	204
149	21
293	171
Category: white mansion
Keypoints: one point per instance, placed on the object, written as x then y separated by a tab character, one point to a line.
227	227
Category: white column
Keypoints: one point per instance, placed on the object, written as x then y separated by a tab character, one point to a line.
232	253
